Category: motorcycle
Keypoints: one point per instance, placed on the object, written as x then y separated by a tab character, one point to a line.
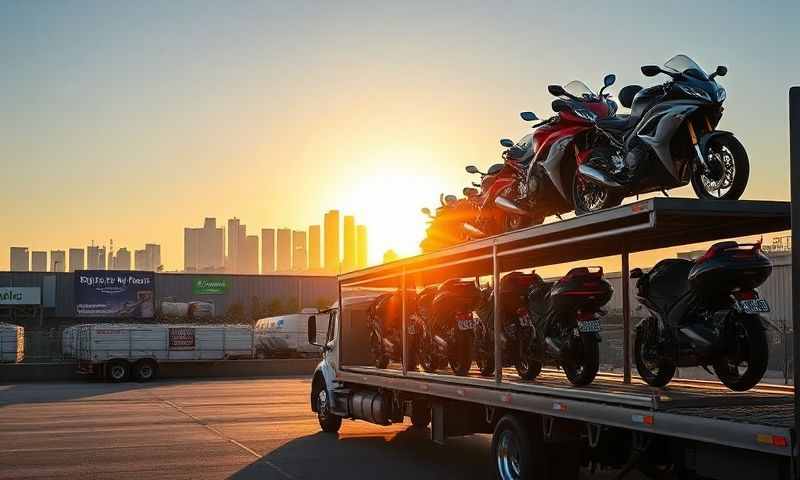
445	227
562	323
668	140
450	327
386	329
702	313
551	154
514	288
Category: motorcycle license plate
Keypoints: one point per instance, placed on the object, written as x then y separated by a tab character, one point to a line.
411	329
525	321
755	305
589	326
467	322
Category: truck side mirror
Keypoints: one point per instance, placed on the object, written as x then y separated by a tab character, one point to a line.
636	273
312	330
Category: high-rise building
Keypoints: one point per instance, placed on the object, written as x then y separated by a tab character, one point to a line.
299	257
153	251
284	250
58	260
332	241
95	256
248	258
267	250
122	260
234	236
349	237
38	261
76	259
101	261
314	248
204	248
140	260
362	249
20	259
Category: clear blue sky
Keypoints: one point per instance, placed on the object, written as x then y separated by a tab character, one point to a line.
132	121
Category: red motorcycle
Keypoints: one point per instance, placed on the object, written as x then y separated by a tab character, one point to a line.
551	154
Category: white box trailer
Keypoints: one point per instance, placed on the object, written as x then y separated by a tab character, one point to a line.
119	351
287	335
12	343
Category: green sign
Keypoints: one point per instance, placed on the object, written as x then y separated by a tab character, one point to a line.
209	286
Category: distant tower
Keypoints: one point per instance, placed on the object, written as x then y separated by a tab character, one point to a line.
299	257
349	261
58	261
20	259
332	241
76	259
267	250
284	250
232	260
314	263
38	261
362	249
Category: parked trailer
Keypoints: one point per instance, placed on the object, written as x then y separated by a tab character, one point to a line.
121	351
547	428
286	335
12	343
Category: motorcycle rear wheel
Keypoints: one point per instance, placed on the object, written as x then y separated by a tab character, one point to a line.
461	359
527	365
729	170
589	196
584	368
752	349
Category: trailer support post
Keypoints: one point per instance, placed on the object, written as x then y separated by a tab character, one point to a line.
794	152
626	318
403	309
498	322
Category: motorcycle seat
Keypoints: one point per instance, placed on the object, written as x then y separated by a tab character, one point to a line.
616	123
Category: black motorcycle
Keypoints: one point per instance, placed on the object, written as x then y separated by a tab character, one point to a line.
385	317
668	140
514	337
704	313
562	325
449	329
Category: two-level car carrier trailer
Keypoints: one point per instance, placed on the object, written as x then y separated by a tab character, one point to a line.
547	428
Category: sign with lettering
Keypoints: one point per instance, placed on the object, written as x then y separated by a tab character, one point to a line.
209	286
181	338
20	296
114	294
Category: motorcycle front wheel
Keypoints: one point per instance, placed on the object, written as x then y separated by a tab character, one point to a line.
527	364
744	361
655	370
589	196
586	362
727	173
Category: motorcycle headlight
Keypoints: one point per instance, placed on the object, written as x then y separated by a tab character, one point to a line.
721	95
585	114
695	92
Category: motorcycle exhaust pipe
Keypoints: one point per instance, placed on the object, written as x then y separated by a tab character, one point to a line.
473	230
510	206
597	176
440	341
696	337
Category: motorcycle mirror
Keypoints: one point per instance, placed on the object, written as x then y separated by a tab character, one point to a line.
469	191
506	142
556	90
609	80
472	169
650	70
426	211
450	199
721	71
636	273
528	116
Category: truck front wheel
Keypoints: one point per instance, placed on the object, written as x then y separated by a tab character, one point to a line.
512	449
328	421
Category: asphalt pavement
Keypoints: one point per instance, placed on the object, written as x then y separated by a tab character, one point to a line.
241	429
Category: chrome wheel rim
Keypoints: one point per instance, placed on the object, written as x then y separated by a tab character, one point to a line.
718	179
146	371
508	463
322	404
117	372
592	196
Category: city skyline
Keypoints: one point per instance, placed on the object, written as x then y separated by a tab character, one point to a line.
92	257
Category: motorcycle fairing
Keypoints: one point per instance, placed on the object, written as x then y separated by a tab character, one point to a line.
552	163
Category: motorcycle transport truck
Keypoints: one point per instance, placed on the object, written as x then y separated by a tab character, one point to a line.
549	427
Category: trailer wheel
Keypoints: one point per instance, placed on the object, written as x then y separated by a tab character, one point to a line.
420	414
329	422
145	370
118	371
512	449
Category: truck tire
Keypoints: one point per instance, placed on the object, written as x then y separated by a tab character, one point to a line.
118	371
420	414
145	370
512	449
328	422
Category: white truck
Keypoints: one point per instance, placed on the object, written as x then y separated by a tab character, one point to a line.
121	351
12	343
286	335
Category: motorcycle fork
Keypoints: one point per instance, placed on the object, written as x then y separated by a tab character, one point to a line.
695	144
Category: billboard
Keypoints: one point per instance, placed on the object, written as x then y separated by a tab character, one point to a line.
20	296
210	286
114	293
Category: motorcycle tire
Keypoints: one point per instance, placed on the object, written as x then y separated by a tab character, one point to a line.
380	359
527	365
660	374
741	170
757	351
427	357
484	351
609	198
583	370
461	359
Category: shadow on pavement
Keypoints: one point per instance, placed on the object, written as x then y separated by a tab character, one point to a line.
408	455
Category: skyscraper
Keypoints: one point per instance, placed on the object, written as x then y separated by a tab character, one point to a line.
101	258
332	241
299	258
93	257
192	238
314	248
267	250
20	259
76	259
234	236
58	260
38	261
284	250
153	252
204	248
362	249
122	260
349	260
248	255
140	260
